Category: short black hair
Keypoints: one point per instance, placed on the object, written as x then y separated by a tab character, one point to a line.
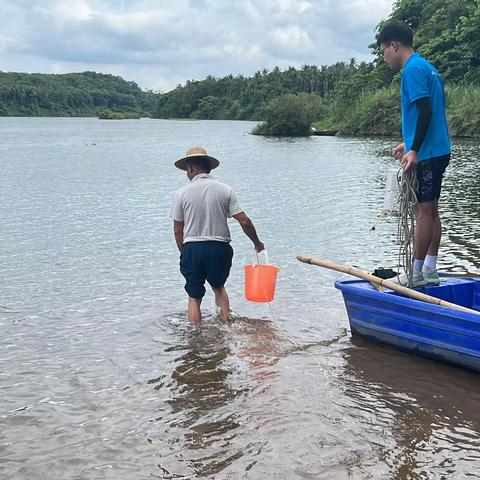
395	32
202	163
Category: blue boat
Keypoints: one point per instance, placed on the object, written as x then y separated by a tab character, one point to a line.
411	325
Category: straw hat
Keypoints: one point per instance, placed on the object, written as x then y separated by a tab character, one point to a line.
196	152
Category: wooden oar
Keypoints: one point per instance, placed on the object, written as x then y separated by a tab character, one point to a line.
385	283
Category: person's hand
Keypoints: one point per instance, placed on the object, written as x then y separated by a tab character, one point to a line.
259	247
409	160
399	151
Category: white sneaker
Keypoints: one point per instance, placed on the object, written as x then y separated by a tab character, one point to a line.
431	276
418	280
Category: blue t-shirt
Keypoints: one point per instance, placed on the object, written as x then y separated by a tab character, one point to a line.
420	79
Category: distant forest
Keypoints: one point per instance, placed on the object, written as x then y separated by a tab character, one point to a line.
355	97
71	94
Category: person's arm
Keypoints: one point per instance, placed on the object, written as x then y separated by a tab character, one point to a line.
249	229
423	122
178	232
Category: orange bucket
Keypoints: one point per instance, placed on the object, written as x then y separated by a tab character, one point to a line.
260	282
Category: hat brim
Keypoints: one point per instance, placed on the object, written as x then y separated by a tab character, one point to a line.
182	163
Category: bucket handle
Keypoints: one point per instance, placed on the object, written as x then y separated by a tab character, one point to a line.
256	258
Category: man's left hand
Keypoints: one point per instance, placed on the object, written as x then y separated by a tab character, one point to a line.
409	160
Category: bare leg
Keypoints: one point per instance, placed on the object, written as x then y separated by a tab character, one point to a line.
194	313
437	231
221	299
424	231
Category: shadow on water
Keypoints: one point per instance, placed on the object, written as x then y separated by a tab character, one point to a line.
216	367
429	409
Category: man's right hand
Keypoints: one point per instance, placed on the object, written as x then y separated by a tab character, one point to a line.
399	151
259	247
249	229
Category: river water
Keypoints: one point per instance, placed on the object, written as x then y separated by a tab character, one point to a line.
103	377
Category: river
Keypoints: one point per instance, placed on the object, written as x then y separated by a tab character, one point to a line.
103	377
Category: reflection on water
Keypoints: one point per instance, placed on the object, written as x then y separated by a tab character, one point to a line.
430	411
199	391
101	374
216	367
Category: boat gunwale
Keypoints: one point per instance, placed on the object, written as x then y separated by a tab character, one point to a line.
351	285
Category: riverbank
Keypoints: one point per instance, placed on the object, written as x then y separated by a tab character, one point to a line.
109	115
379	113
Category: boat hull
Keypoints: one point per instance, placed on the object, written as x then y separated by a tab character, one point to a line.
418	327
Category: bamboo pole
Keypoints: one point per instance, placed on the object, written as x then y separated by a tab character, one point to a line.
384	283
458	275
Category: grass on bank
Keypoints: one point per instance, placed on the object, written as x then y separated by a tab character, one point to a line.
379	113
463	110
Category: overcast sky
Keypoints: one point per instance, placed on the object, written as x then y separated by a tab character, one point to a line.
161	43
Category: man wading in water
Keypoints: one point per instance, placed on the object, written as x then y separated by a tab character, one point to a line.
199	213
426	146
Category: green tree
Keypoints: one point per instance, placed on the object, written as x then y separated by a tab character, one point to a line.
85	93
209	106
290	115
447	32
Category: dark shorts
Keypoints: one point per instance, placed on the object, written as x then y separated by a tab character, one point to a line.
200	261
430	175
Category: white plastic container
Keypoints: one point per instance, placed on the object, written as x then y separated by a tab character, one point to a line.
390	202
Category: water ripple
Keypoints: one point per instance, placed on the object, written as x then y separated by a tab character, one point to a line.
103	377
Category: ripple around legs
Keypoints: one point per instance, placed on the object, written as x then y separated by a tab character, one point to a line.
103	377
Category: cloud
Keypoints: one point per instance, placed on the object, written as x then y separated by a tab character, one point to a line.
292	38
160	42
294	6
5	42
78	10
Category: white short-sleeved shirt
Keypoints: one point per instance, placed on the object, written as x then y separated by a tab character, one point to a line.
204	206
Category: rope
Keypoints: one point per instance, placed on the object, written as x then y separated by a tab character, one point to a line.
407	198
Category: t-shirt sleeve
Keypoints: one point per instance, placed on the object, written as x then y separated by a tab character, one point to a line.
416	81
176	212
233	206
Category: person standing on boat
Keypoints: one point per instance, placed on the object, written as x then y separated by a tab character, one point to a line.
199	212
426	142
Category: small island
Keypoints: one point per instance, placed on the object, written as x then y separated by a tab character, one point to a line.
109	115
290	115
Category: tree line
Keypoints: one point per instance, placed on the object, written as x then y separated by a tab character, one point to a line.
352	97
71	94
355	98
243	98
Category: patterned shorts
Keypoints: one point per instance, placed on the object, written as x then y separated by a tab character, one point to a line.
430	175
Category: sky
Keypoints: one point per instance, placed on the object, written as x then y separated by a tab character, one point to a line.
162	43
